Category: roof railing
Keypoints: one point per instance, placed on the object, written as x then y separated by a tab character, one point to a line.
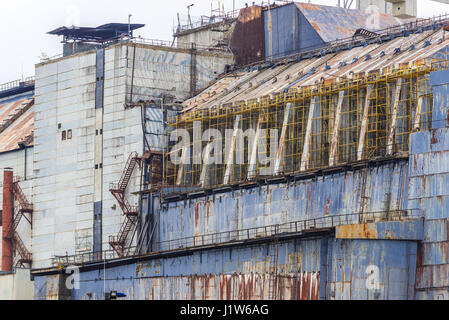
16	83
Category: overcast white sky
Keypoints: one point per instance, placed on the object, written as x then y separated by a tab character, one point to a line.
24	23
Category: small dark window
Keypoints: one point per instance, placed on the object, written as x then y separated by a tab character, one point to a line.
69	134
59	126
64	135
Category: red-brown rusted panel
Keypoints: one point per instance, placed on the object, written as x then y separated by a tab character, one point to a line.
7	216
303	286
248	39
16	124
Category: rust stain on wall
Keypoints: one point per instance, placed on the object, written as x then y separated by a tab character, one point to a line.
357	231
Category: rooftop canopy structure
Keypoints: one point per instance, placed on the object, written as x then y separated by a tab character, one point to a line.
99	34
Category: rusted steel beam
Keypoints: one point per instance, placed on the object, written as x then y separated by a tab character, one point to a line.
229	161
308	137
334	143
280	152
394	118
364	127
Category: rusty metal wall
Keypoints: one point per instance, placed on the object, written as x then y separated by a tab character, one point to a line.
308	269
429	178
355	263
223	274
376	189
247	41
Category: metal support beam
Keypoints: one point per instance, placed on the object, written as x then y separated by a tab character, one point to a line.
181	166
280	153
394	119
417	122
230	158
364	127
203	177
308	137
253	160
334	141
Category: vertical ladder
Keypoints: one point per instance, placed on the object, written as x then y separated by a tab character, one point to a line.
274	261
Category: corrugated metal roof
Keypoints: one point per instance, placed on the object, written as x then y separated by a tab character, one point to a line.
333	23
259	82
16	124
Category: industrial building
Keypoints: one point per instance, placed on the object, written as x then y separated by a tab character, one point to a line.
330	150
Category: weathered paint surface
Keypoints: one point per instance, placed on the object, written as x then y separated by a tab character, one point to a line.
292	74
247	42
337	194
323	268
403	230
303	26
16	285
429	178
227	274
374	270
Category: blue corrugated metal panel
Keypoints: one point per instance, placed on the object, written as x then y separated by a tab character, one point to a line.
308	37
201	275
353	261
338	194
436	230
419	142
342	267
281	31
440	88
435	253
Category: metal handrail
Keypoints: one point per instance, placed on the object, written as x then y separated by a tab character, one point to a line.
232	236
326	222
16	83
206	21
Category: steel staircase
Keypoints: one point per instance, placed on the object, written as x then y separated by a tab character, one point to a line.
20	248
25	206
13	226
118	243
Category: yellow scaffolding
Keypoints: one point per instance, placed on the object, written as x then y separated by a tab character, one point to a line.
332	123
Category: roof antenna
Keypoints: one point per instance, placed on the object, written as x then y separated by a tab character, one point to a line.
129	25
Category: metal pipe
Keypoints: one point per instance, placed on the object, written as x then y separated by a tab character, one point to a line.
7	220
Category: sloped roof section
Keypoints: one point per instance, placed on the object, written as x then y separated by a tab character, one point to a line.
333	23
16	124
266	80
